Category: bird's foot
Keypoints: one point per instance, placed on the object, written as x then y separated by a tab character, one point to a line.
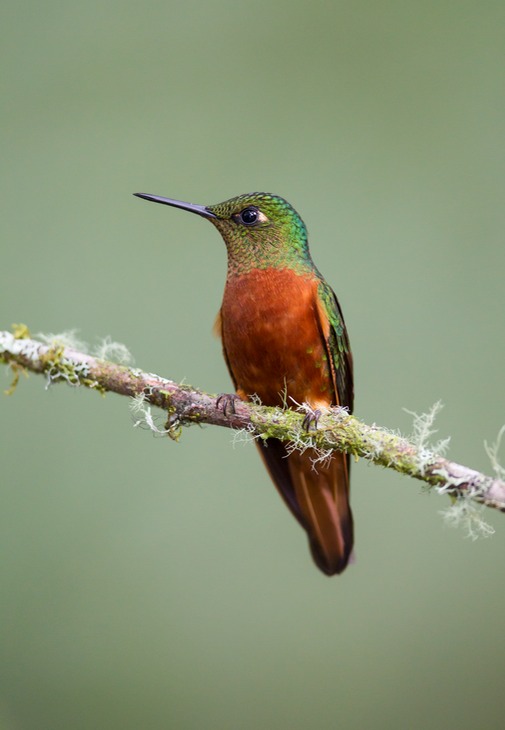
311	420
226	401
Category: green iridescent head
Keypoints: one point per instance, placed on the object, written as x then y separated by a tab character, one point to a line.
260	230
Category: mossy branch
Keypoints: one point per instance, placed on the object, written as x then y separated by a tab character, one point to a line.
336	429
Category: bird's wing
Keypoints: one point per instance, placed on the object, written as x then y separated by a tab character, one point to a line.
331	323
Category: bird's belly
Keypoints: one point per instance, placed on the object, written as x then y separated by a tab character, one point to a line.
272	338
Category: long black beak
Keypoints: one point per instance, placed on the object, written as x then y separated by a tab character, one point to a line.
198	209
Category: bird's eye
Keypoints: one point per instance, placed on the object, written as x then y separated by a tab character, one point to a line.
249	216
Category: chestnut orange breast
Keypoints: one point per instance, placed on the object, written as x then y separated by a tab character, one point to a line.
272	338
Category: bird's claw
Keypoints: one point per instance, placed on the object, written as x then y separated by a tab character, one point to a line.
311	420
226	401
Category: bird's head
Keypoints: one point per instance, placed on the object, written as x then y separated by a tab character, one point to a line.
260	230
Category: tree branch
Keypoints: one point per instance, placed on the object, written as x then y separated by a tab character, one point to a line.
336	429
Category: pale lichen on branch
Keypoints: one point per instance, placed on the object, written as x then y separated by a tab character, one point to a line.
58	358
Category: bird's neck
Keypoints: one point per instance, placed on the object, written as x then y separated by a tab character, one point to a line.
244	261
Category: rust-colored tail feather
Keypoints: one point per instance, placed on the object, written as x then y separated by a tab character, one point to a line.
319	499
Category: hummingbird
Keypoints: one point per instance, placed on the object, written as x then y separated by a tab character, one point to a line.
285	342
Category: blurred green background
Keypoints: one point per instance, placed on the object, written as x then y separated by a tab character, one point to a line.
146	584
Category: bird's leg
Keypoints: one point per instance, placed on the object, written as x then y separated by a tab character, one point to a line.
311	420
226	401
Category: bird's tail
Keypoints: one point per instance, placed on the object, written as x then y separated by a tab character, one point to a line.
318	496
